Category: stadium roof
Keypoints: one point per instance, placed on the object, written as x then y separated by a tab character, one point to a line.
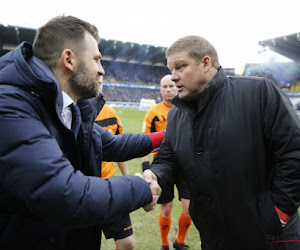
112	50
288	46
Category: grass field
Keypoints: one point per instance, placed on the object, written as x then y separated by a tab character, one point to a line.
145	225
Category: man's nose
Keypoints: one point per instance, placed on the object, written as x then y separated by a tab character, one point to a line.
101	70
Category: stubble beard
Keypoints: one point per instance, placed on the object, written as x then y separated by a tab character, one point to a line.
83	85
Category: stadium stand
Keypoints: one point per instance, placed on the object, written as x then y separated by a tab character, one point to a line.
288	46
129	93
285	75
133	70
11	36
124	63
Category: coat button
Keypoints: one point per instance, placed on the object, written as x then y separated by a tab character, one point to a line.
199	151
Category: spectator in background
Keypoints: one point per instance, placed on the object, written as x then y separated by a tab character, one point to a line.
236	142
156	120
120	227
51	193
133	72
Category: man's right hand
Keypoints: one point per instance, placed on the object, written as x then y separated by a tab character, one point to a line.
151	179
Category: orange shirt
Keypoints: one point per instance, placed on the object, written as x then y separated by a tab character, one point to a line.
155	119
108	119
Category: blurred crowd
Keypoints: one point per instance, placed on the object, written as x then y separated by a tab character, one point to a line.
133	72
284	75
121	72
119	94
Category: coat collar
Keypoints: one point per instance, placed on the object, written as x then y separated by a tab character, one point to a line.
216	83
210	91
90	108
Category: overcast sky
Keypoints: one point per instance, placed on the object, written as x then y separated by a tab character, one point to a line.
234	27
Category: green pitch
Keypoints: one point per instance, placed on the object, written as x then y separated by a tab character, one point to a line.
131	119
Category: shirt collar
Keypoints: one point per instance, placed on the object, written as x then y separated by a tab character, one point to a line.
67	100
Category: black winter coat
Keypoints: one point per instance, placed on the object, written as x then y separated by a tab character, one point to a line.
51	196
239	152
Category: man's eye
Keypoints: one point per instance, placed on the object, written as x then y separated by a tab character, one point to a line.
179	67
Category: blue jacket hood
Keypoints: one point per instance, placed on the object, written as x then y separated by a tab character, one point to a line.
20	68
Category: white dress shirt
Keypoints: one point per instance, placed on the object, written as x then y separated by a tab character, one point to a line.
66	112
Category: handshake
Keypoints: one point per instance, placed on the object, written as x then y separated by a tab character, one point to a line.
151	179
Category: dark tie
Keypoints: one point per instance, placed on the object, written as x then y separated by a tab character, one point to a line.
76	119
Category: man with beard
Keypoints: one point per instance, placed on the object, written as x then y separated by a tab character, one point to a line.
156	120
51	193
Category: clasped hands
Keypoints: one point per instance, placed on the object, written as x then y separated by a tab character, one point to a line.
151	179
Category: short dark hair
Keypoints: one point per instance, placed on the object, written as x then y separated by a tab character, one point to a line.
60	33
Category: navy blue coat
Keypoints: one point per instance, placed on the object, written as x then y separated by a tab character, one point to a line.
51	196
239	152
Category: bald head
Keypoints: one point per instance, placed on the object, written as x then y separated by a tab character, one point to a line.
166	78
167	89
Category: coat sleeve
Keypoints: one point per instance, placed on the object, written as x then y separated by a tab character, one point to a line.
122	147
164	164
37	176
282	135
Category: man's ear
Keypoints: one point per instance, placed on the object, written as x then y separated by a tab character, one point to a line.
207	63
68	59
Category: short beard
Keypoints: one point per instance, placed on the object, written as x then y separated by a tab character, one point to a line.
82	85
